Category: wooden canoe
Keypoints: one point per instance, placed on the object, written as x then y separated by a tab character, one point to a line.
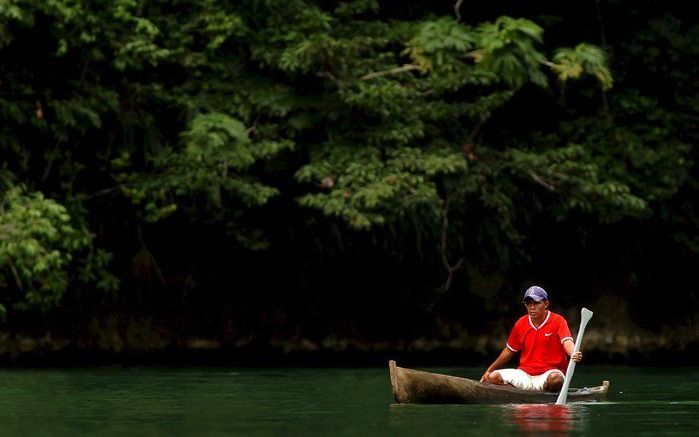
414	386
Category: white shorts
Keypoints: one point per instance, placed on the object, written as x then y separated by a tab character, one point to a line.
521	379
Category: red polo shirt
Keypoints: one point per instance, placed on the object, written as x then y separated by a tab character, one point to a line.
541	348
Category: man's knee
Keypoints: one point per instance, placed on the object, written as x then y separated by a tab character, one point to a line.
553	382
494	377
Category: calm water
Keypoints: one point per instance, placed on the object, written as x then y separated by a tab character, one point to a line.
205	401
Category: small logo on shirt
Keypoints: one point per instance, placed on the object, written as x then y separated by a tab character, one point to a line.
548	333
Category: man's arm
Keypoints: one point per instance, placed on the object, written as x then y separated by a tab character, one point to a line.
505	356
569	346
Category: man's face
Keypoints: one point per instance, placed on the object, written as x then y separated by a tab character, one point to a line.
536	310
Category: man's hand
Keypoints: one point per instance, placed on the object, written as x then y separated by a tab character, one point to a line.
569	347
485	375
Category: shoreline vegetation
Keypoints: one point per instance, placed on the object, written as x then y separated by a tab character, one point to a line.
138	341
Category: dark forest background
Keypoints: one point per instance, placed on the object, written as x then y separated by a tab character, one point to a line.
302	178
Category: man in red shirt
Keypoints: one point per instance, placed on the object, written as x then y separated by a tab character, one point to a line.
544	341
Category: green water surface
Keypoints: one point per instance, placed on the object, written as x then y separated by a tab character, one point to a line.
217	401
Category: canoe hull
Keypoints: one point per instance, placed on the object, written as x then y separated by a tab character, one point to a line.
415	386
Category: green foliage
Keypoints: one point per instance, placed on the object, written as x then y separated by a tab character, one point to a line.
580	182
507	48
583	59
439	45
357	7
203	112
10	11
212	165
366	189
406	123
38	250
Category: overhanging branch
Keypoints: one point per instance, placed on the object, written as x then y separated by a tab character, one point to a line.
456	10
541	181
402	69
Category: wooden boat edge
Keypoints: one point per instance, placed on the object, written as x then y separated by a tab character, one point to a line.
401	396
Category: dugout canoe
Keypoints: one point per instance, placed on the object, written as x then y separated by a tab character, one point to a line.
418	387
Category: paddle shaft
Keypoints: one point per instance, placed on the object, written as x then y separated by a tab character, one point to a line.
585	316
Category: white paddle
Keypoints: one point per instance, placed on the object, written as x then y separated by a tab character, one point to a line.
585	316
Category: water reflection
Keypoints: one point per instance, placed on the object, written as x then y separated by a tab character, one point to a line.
475	419
536	418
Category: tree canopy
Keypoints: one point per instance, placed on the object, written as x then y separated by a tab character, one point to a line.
387	132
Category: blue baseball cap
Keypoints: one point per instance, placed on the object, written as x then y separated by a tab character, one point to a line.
536	293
